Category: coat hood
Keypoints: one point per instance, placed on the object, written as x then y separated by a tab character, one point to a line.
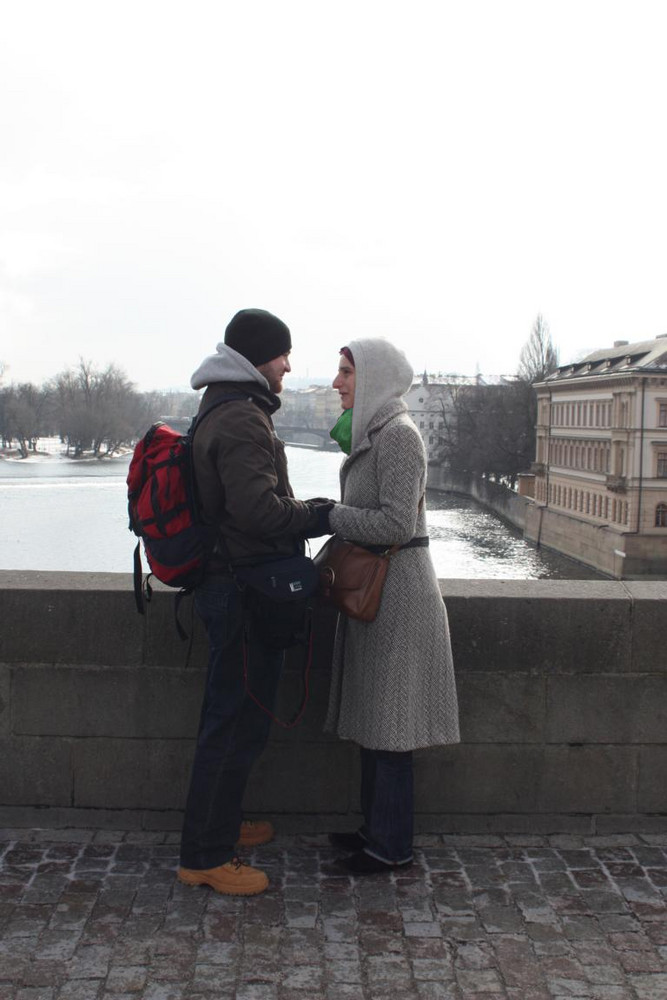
226	365
382	373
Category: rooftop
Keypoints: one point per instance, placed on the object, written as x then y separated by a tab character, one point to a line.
646	356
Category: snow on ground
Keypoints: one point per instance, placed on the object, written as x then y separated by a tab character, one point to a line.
50	449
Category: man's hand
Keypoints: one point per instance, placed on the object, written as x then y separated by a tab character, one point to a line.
318	524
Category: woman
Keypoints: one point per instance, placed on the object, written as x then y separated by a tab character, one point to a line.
393	687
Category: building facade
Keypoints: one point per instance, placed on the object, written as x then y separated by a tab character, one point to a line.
601	460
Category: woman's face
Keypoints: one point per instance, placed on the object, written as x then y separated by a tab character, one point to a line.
344	382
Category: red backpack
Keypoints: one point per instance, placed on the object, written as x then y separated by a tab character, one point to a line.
163	508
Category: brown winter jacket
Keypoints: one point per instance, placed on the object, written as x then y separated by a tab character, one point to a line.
241	475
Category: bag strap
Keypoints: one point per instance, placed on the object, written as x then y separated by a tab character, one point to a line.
306	672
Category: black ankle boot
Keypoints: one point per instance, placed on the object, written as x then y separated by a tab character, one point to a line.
364	864
349	842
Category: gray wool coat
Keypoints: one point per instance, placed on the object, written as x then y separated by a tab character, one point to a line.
393	685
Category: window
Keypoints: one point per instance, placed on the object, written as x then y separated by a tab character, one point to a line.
662	415
662	465
661	515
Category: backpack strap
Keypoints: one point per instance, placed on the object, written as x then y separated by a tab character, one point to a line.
142	589
137	575
226	398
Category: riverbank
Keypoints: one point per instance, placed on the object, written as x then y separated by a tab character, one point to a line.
51	449
500	499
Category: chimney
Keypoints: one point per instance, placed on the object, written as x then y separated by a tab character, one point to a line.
621	343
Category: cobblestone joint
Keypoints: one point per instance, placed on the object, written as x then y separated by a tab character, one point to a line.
98	915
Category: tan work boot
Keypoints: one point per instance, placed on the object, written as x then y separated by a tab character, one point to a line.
255	832
232	879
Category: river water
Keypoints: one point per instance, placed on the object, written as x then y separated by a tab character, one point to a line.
64	515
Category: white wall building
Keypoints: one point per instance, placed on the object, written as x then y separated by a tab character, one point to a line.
429	403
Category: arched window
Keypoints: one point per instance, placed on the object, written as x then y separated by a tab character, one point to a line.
661	515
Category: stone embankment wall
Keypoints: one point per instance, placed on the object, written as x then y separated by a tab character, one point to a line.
502	500
623	555
563	694
610	551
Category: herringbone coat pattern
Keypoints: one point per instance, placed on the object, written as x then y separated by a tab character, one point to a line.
393	685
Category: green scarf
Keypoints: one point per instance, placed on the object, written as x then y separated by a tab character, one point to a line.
341	432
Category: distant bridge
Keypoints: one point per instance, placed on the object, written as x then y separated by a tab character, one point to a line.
322	433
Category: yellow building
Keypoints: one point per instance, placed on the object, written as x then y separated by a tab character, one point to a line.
601	460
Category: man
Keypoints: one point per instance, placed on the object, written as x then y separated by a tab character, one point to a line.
241	474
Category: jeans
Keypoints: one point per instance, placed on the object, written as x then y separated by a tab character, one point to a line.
233	730
387	804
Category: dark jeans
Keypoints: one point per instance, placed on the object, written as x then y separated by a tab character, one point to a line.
232	730
387	803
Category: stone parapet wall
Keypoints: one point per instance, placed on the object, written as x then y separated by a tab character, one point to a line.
563	694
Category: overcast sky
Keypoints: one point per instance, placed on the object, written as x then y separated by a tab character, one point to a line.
434	172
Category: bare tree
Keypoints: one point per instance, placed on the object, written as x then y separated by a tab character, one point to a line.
23	415
485	430
97	409
538	356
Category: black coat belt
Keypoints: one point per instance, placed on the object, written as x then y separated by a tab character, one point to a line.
414	543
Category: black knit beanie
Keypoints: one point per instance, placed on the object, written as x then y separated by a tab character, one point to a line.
258	335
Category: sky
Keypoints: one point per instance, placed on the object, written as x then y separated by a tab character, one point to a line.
437	173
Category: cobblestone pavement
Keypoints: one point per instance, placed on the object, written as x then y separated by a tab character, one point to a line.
88	915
